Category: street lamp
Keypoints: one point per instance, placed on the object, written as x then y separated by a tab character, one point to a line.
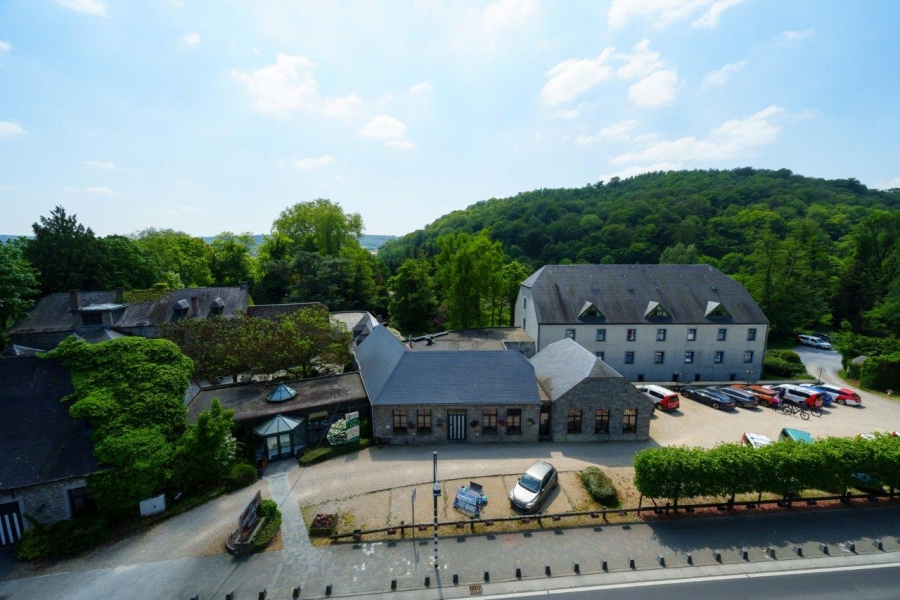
749	372
436	493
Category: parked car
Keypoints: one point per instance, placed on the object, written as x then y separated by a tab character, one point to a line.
717	401
755	440
765	395
533	486
841	395
815	342
795	435
663	399
794	394
827	397
741	398
822	336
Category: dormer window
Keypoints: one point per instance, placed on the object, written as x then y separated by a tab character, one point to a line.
217	307
181	309
92	318
590	311
655	310
716	310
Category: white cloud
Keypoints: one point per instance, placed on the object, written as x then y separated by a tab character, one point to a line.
508	13
99	164
567	115
482	29
192	39
614	131
640	63
384	126
288	85
189	208
793	36
10	129
719	77
657	89
663	12
308	164
420	88
103	191
88	7
890	184
573	77
402	144
639	169
733	139
5	47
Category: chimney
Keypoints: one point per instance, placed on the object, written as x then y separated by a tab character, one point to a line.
120	295
195	305
74	300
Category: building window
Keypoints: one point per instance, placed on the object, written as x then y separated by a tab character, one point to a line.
629	420
720	357
570	333
524	302
601	421
659	357
573	424
81	502
92	318
523	323
399	421
629	358
631	335
748	356
599	354
660	335
751	334
601	335
721	335
514	420
423	420
689	357
490	420
692	335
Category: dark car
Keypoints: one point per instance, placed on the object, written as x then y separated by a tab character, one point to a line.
717	401
766	395
532	487
742	399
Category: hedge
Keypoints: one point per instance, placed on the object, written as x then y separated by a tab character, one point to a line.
881	372
240	476
600	487
65	538
317	455
783	363
832	465
268	509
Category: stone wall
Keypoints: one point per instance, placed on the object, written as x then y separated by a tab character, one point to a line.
382	424
45	503
592	394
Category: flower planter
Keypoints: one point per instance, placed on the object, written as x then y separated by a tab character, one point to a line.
323	524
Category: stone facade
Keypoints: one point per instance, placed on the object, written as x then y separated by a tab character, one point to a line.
383	424
46	503
593	394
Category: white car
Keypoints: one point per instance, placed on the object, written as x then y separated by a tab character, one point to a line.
811	340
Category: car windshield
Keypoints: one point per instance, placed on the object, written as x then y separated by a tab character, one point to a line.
530	483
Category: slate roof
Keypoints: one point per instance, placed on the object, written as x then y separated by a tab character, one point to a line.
564	364
624	292
52	313
100	335
270	311
393	375
17	350
39	441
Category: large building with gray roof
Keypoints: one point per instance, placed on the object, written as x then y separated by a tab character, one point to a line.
649	322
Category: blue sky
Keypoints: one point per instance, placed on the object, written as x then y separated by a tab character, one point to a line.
214	116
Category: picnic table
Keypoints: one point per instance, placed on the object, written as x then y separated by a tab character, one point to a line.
470	499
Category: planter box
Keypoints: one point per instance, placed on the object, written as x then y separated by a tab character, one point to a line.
323	524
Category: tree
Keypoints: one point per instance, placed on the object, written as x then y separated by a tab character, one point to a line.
180	253
231	261
318	226
512	275
468	269
18	286
65	253
413	304
679	254
207	450
124	263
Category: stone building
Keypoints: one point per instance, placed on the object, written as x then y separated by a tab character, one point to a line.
588	400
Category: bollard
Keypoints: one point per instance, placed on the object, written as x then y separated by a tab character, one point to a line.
518	572
823	548
328	589
577	568
851	547
297	591
604	566
770	552
661	560
394	583
798	550
487	576
427	581
229	595
547	569
631	563
689	558
745	554
718	556
262	594
455	578
878	544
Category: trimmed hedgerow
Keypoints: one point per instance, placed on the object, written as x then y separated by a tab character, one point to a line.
240	476
600	487
65	538
268	510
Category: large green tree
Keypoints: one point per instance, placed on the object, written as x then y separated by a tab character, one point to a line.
414	303
468	270
231	260
207	450
318	226
18	286
186	256
65	253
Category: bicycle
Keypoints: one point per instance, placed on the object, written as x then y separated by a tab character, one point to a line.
791	409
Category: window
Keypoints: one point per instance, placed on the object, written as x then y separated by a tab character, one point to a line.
92	318
660	335
629	358
216	311
601	335
399	421
720	357
601	421
658	312
751	334
721	335
490	420
631	335
692	335
523	323
689	357
599	354
81	502
423	420
659	357
514	420
629	420
524	302
748	356
570	333
573	424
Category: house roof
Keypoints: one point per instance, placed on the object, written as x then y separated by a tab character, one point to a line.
17	350
487	338
393	375
270	311
623	293
53	313
40	442
564	364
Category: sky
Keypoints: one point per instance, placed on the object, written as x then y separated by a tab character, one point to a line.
215	116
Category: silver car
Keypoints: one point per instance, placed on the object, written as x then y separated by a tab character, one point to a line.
538	481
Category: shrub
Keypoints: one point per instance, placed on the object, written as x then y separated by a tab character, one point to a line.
600	487
787	356
317	455
268	509
783	363
337	433
62	539
240	476
881	372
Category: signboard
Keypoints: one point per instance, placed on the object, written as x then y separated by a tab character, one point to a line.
152	506
352	427
249	517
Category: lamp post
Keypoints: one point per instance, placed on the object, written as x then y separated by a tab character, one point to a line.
436	493
819	380
749	372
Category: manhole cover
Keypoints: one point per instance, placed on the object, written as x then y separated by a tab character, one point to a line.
475	590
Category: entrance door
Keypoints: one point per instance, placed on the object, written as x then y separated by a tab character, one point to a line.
544	425
456	420
284	443
10	524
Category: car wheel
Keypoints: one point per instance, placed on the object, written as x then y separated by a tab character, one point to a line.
839	401
715	405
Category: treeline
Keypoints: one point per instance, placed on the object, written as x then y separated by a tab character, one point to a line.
813	252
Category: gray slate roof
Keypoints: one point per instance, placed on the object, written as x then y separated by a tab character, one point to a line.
564	364
270	311
393	375
39	441
623	293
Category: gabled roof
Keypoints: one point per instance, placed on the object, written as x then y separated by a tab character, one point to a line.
277	424
564	364
39	441
624	292
393	375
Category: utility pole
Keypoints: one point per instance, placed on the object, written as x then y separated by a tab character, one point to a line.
436	493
